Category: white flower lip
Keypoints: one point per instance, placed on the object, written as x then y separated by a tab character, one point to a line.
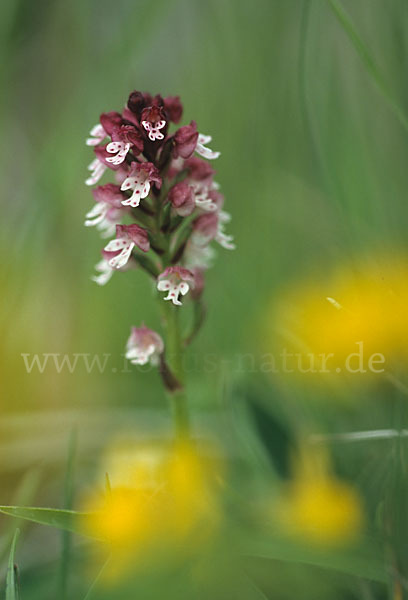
126	246
174	287
202	150
98	169
154	132
97	135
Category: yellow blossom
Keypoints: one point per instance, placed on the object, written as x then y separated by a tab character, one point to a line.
119	517
350	320
319	508
188	478
160	498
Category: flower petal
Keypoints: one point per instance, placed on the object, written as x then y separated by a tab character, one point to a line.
119	261
115	245
163	285
183	288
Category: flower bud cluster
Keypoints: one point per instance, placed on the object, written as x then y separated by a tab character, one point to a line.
163	208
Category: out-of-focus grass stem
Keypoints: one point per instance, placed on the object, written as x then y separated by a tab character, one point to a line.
368	60
66	537
96	580
317	152
358	436
302	76
199	314
399	385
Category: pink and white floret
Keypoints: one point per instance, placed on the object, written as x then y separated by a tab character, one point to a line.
127	237
176	281
140	178
143	346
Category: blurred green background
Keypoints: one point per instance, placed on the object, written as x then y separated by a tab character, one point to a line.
313	168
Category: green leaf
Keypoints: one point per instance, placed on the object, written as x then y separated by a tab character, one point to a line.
11	580
68	520
365	561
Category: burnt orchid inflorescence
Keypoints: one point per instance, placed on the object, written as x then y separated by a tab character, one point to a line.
164	209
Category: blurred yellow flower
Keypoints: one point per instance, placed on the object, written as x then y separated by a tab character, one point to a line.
160	499
319	508
187	478
325	511
119	517
352	321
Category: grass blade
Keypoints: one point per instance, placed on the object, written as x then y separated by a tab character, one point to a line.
67	520
11	579
365	562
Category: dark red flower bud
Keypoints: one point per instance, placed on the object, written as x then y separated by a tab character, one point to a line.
138	101
205	228
157	101
153	114
181	197
185	140
110	120
200	170
110	194
129	135
173	108
138	235
199	283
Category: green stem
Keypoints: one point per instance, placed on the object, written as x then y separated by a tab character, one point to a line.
180	413
174	358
